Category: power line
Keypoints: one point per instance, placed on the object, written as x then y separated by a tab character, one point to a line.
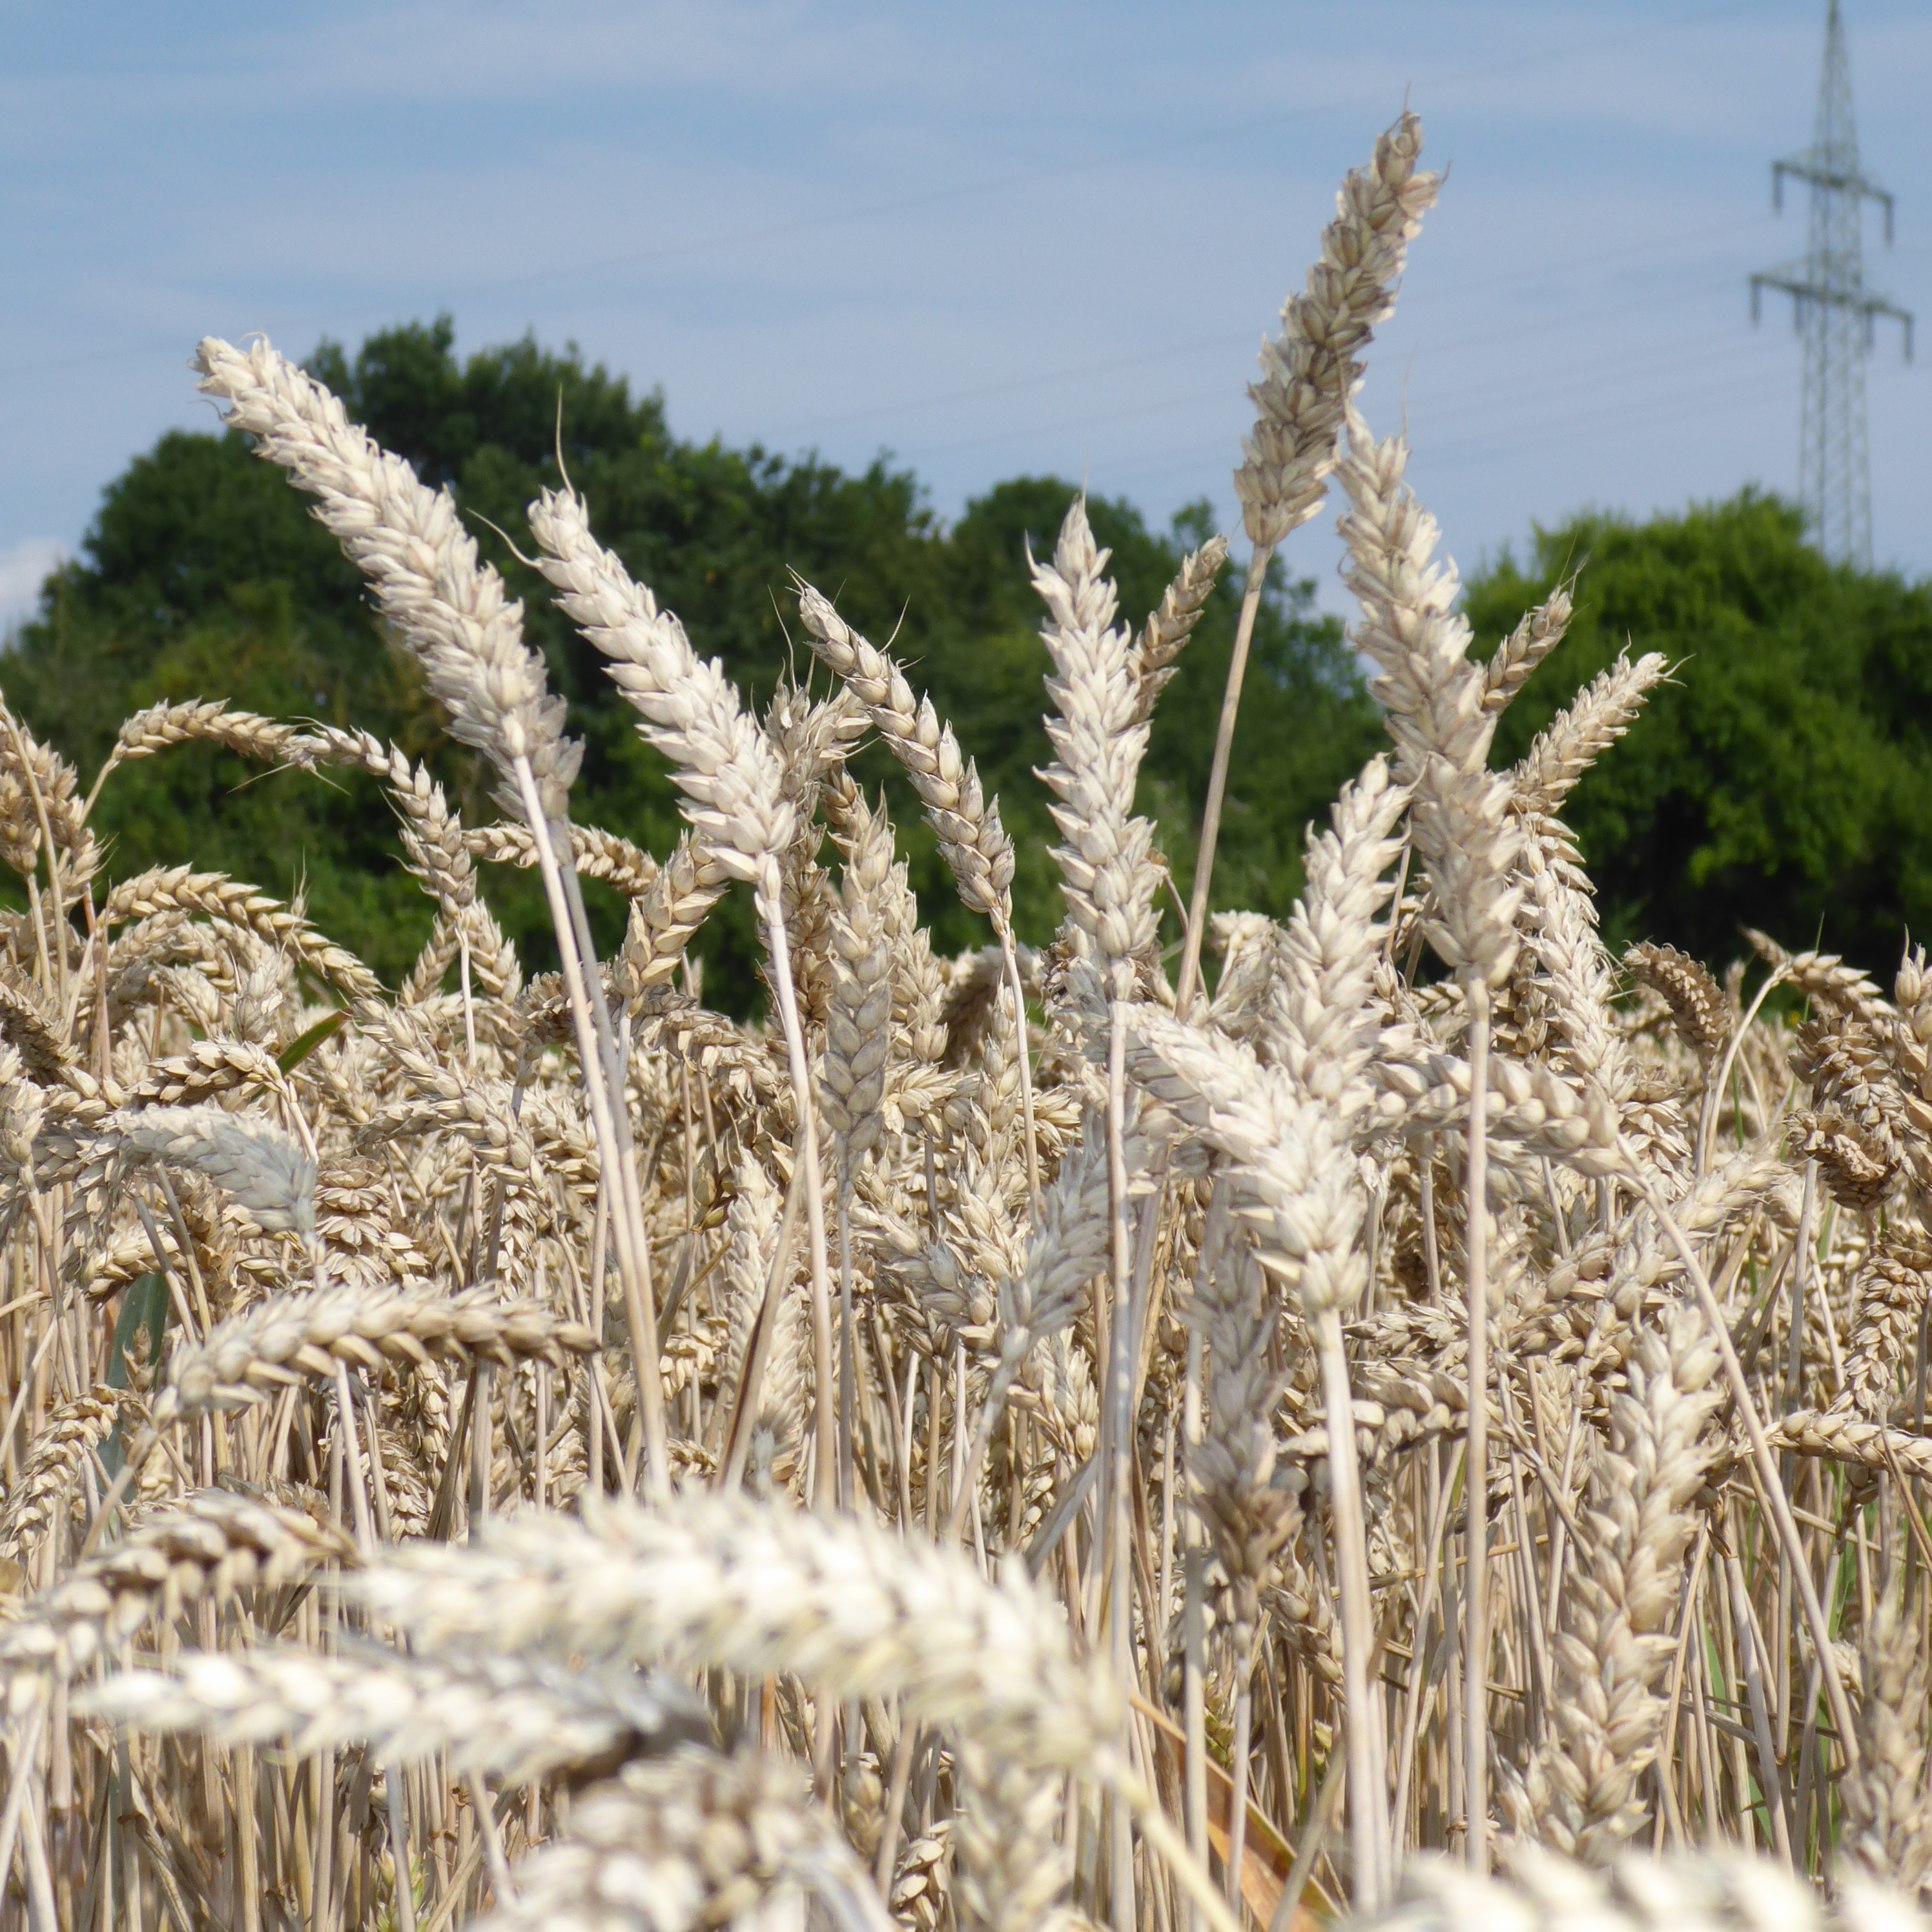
1672	405
1224	341
1457	400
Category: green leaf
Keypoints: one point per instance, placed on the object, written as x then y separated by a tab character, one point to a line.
146	1306
299	1048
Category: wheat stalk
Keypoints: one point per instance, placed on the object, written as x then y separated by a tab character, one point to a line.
1308	374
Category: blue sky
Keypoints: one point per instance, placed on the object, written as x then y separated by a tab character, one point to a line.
988	239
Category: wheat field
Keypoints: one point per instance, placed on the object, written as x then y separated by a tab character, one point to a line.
536	1452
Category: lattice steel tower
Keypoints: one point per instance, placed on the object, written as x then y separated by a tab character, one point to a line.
1835	312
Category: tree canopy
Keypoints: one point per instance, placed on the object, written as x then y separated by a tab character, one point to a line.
1778	781
1774	782
203	576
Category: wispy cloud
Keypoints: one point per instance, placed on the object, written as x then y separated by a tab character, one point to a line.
869	225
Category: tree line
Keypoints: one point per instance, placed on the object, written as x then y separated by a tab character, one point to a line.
1777	781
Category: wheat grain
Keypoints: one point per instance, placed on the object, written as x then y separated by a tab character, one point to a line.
1538	635
733	783
225	902
429	581
1169	626
713	1579
858	1031
1889	1811
1309	371
1107	872
252	1355
971	839
58	813
434	845
1578	983
1847	1439
594	854
1320	1021
267	1171
1581	1795
1696	1004
1825	978
695	1841
1594	719
209	1067
1431	695
169	723
73	1430
33	1028
1892	1296
208	1546
493	1716
1717	1891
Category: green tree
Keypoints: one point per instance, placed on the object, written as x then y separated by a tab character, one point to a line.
1777	781
204	576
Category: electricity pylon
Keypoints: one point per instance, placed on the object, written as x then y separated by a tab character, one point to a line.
1835	312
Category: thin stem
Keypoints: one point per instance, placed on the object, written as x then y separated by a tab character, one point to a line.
1751	1645
735	1449
1439	1517
805	1152
358	1490
896	1799
1240	1748
23	1749
1217	781
1192	1872
402	1893
1194	1567
627	1219
1119	1391
990	1410
1707	1118
1309	1850
1475	1664
1803	1258
1011	956
1368	1821
1785	1522
847	1362
1194	1701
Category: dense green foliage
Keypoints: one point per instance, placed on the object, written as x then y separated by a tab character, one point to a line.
1774	783
1779	782
203	576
